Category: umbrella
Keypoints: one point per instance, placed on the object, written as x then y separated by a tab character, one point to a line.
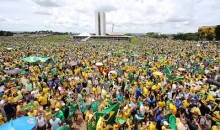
134	54
14	71
125	60
31	59
181	69
22	123
112	72
157	73
99	64
9	48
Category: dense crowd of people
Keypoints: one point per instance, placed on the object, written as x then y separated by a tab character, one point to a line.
71	85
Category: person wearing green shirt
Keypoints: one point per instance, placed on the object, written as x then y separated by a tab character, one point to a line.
172	122
29	86
94	105
59	114
64	126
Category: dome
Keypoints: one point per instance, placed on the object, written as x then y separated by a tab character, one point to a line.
84	34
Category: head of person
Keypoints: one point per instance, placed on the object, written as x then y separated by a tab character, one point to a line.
63	125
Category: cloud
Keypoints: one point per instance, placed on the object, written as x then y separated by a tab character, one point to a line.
2	19
42	10
165	16
47	3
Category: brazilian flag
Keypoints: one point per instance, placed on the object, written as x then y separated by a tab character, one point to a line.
178	79
108	114
168	73
29	106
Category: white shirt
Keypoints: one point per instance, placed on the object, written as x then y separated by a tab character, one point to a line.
2	88
41	121
55	123
169	94
142	109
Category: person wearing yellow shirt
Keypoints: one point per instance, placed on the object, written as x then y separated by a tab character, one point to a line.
46	90
143	126
52	102
161	103
2	120
152	126
173	108
32	112
185	103
43	100
48	114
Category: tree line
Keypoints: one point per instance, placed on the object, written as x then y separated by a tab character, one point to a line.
6	33
208	33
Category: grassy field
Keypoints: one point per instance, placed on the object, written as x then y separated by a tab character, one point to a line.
57	38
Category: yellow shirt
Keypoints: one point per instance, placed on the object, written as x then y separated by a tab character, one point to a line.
214	127
45	90
173	109
1	120
52	103
152	126
43	100
34	113
185	104
87	115
48	115
161	104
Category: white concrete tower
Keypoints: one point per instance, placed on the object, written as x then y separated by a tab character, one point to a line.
100	23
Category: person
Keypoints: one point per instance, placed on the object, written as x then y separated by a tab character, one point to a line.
64	126
41	122
55	123
165	126
159	120
182	124
205	122
59	114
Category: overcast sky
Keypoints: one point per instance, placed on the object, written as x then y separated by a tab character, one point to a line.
137	16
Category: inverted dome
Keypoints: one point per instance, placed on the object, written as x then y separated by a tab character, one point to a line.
84	34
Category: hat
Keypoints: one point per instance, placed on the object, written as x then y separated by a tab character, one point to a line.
165	123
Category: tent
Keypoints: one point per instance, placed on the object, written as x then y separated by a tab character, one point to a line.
22	123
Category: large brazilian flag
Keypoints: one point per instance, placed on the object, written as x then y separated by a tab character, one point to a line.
33	59
172	77
29	106
108	114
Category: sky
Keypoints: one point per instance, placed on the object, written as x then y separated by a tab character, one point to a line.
129	16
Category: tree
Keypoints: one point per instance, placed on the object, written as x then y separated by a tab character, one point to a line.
217	32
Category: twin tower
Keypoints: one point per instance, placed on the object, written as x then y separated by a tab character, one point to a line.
100	23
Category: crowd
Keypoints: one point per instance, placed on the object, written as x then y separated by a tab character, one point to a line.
82	78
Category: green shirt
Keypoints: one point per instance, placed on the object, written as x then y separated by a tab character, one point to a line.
29	87
94	106
60	115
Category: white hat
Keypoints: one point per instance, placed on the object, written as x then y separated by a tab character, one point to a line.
165	123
